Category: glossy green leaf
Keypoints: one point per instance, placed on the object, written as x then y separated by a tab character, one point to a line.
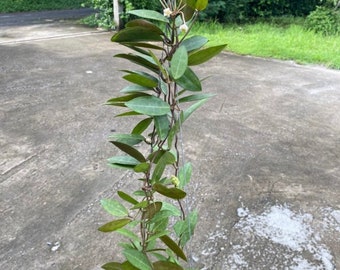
165	159
136	34
149	14
166	265
120	101
112	266
189	81
201	56
162	124
192	108
128	233
142	79
201	4
142	126
130	113
128	266
194	43
184	175
185	228
137	259
179	63
151	105
195	97
126	162
114	225
173	193
135	88
114	208
173	246
126	197
130	139
142	45
151	210
142	167
139	61
145	24
133	152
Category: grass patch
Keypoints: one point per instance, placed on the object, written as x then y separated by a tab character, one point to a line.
7	6
280	41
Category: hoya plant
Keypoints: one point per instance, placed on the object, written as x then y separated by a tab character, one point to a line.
162	93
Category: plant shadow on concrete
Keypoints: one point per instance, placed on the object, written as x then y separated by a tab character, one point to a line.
161	96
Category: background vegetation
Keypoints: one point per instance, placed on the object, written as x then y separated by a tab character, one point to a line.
35	5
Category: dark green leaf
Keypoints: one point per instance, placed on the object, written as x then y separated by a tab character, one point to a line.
126	197
114	225
173	246
195	97
173	193
201	56
166	265
114	208
123	161
135	88
112	266
128	266
151	105
142	79
193	108
166	158
136	34
142	45
146	24
162	124
157	235
139	61
149	14
130	113
194	43
190	81
142	167
179	63
130	139
120	101
142	126
151	210
133	152
137	259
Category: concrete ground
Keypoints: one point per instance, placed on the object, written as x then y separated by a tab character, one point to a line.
265	151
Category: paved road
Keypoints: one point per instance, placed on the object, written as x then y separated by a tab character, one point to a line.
29	18
265	152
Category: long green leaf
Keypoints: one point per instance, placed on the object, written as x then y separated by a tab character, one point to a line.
128	266
135	88
193	108
194	43
149	14
123	161
184	175
142	126
173	193
120	101
162	124
142	45
166	265
114	208
151	105
139	61
201	56
195	97
157	235
137	259
133	152
146	24
173	209
128	233
189	81
112	266
126	197
142	79
114	225
136	34
179	63
173	246
165	159
130	139
185	228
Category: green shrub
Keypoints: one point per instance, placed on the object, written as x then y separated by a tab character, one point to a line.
323	20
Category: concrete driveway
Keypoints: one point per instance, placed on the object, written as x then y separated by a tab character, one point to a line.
265	151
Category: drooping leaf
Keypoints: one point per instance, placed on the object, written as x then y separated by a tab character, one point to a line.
133	152
184	175
126	197
166	158
179	63
151	105
192	108
114	225
112	266
194	43
114	207
130	139
135	88
190	81
166	265
146	24
185	228
137	259
142	79
139	61
120	101
162	124
141	45
173	193
201	56
173	246
142	126
149	14
142	167
136	34
151	210
194	97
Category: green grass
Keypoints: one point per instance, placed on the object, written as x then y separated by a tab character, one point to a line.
7	6
284	41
